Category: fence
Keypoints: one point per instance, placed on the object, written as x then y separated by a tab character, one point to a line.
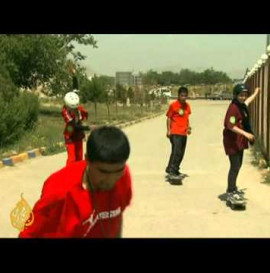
259	76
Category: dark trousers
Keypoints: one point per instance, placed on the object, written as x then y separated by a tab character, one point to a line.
236	161
178	150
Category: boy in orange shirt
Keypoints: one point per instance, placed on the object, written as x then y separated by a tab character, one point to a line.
178	128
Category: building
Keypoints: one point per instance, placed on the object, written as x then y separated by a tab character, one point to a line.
128	79
137	80
124	78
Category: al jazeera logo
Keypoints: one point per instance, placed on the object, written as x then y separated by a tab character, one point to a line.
22	216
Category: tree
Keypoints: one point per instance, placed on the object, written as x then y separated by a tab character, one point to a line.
8	90
130	94
187	76
107	81
150	78
166	78
147	98
121	93
32	60
96	92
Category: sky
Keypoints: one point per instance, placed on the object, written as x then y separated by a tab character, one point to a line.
230	53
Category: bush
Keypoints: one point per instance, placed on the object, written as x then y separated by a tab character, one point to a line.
31	104
17	116
7	88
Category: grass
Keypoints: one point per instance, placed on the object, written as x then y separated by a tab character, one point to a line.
47	133
49	130
260	161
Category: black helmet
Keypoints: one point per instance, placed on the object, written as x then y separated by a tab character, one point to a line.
238	88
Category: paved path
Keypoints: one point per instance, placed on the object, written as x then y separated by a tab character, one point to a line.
159	209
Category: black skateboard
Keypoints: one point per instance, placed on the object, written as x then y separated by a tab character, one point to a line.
235	204
175	181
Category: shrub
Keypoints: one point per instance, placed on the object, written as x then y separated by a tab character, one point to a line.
17	115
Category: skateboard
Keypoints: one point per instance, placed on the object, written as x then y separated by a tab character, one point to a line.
175	181
236	204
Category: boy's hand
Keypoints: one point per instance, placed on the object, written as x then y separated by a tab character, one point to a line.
93	127
189	131
250	137
71	70
257	90
168	134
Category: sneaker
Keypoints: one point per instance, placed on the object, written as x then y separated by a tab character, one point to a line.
182	175
237	196
174	176
240	192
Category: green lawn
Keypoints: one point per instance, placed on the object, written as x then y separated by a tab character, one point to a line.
49	130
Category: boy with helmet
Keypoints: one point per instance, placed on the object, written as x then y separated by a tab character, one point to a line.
73	115
237	134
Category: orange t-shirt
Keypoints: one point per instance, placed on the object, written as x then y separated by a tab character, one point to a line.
179	114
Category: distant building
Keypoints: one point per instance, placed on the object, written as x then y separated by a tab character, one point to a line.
127	79
137	80
124	78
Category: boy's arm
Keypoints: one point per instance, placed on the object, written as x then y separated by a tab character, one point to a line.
168	123
253	96
189	128
168	127
46	219
119	234
239	131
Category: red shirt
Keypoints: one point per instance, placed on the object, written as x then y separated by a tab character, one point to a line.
78	115
179	115
66	209
233	142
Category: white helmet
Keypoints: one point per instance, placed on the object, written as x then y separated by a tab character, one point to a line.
72	100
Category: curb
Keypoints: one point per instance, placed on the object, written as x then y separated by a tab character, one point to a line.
11	161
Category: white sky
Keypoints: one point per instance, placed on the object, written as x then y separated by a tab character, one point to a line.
141	52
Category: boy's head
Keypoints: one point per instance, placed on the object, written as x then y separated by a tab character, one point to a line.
182	94
240	92
72	100
108	150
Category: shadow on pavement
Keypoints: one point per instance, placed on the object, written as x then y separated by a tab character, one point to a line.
223	196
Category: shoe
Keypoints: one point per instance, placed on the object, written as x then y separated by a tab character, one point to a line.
240	192
174	179
235	197
174	176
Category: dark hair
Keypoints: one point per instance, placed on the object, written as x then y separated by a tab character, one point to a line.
182	89
108	144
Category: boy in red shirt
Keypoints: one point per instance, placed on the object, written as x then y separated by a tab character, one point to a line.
73	115
237	134
178	128
87	199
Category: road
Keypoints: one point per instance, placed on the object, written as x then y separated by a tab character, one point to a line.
158	209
